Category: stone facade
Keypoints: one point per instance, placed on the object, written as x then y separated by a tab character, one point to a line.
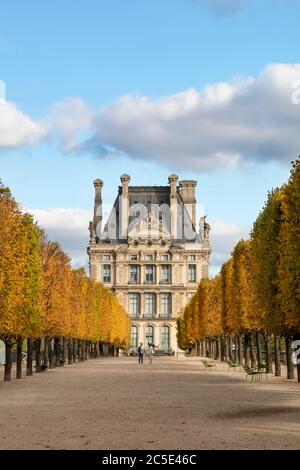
151	255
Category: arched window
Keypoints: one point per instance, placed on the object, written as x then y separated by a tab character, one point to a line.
149	335
134	336
165	337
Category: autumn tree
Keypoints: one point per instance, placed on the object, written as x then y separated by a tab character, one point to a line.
288	280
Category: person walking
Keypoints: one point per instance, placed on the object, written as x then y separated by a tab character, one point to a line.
151	352
141	353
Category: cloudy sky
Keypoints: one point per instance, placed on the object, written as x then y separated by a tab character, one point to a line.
209	89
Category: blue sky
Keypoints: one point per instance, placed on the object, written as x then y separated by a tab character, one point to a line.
206	98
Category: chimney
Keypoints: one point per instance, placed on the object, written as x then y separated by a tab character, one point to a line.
187	190
98	184
173	205
124	206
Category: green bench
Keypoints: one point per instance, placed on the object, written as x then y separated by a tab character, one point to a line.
208	364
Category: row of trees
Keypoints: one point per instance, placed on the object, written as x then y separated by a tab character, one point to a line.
45	303
252	308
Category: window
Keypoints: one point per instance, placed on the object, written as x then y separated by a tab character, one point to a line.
192	258
133	273
149	335
192	273
106	257
149	273
190	295
134	336
165	304
165	337
165	257
149	305
106	273
133	304
133	257
165	273
149	257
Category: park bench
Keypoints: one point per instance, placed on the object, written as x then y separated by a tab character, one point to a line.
208	364
262	369
232	365
253	373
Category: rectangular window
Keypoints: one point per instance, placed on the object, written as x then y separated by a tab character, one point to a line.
165	304
149	273
192	273
192	258
190	295
149	257
165	257
134	336
133	304
133	278
149	304
133	257
165	273
106	257
106	273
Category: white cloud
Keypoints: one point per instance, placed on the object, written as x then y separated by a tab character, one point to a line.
69	227
223	125
16	128
224	236
226	124
69	119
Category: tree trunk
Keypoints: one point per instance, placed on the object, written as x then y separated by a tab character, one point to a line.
230	348
277	356
46	352
258	348
289	359
236	348
246	351
269	362
226	348
29	357
19	357
80	352
64	351
240	341
252	351
57	352
7	367
51	354
70	351
75	356
219	348
38	355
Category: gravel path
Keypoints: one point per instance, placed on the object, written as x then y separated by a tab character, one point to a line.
116	403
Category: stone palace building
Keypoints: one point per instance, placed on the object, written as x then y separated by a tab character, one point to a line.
151	255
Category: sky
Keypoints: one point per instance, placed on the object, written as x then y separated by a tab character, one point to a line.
208	89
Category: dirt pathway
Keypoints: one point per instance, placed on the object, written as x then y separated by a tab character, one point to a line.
172	404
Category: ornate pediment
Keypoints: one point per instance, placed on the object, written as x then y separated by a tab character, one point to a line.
148	227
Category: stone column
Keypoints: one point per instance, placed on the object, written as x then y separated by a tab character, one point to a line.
98	184
142	274
142	304
173	205
157	274
157	334
124	206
